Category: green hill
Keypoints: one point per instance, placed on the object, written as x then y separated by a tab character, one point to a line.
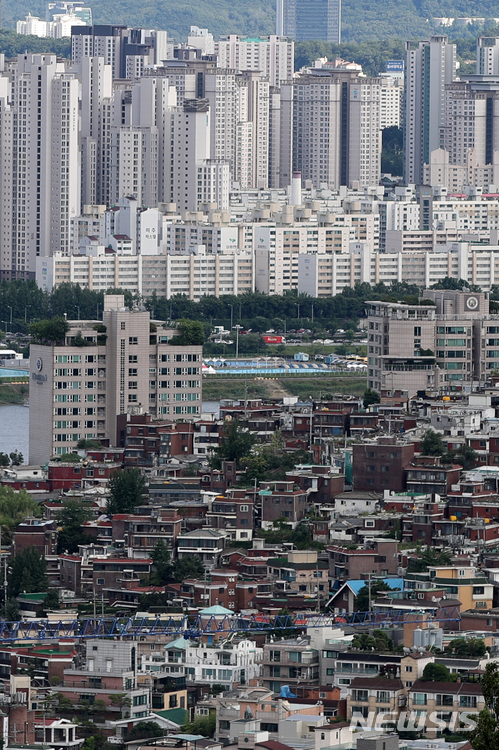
363	20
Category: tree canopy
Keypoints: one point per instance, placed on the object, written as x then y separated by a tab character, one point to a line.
485	735
27	573
127	489
235	443
431	444
428	557
362	600
73	514
437	673
191	333
49	331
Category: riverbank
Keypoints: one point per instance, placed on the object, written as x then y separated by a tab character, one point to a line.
217	388
13	393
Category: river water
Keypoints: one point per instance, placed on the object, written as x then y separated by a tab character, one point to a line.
14	430
14	427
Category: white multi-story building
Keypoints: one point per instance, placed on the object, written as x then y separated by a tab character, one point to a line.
58	28
272	56
430	65
79	391
336	121
487	56
469	152
45	163
390	101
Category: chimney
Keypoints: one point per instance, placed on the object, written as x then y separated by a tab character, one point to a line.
296	189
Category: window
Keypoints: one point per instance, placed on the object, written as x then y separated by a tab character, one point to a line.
408	669
420	699
383	696
122	325
467	701
361	696
445	700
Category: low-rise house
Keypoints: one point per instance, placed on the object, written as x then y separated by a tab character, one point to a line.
449	702
207	544
374	695
300	572
289	662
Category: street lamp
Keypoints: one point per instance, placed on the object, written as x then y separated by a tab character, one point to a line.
238	328
26	307
298	306
10	308
231	316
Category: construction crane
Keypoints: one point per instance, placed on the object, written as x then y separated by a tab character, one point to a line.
197	626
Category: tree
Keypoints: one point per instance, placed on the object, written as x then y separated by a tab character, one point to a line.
371	397
11	611
88	445
464	455
51	601
72	515
49	331
163	568
15	506
485	735
27	573
204	725
191	333
16	458
188	567
235	443
431	444
144	730
428	557
120	700
362	601
74	512
470	647
437	673
127	489
4	459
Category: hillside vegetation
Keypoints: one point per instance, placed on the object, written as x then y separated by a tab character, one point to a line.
362	20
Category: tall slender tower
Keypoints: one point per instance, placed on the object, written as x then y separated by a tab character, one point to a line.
430	66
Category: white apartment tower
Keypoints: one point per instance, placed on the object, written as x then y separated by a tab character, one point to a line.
430	65
336	127
487	56
8	267
272	56
195	178
45	185
96	97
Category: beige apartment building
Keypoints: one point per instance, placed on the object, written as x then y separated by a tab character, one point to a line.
448	342
126	365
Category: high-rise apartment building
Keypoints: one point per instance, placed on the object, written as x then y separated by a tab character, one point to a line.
128	51
304	20
41	111
469	151
487	56
272	56
430	65
336	127
78	391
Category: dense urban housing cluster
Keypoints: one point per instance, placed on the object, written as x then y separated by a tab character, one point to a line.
308	558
